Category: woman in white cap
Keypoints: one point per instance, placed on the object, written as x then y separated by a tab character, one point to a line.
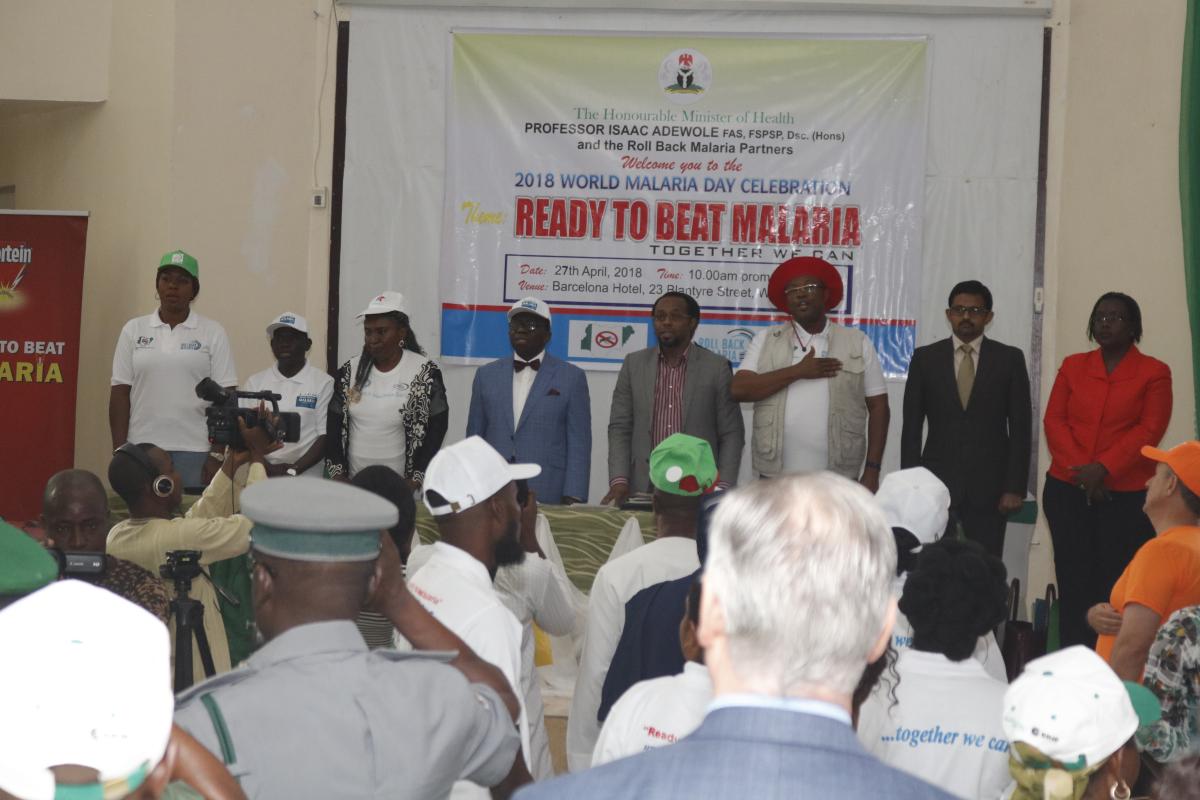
390	403
1070	723
158	361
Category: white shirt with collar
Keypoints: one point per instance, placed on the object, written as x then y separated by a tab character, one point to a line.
457	590
653	713
522	383
806	415
307	393
945	725
162	365
958	353
663	559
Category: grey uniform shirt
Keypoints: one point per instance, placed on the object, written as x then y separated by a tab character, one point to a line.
314	713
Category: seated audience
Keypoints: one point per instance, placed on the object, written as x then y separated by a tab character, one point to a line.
472	493
75	519
937	722
1164	576
1069	721
314	713
387	483
109	735
1173	674
917	506
682	469
796	601
145	478
660	711
303	390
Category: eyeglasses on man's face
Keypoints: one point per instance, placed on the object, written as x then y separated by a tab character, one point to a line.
968	311
523	325
803	289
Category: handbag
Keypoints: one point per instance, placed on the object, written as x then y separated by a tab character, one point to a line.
1046	618
1023	642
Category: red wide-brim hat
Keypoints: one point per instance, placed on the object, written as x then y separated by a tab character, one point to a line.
793	268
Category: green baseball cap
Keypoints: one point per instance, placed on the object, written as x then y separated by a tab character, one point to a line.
25	566
185	262
683	465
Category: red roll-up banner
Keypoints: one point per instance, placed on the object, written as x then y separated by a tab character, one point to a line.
41	299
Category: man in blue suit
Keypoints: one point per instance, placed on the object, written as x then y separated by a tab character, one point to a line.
796	600
535	408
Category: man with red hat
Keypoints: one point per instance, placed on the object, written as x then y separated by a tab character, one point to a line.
820	401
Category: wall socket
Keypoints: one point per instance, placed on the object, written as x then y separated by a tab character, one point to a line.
320	197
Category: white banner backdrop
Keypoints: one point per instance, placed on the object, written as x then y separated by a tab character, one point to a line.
619	167
980	183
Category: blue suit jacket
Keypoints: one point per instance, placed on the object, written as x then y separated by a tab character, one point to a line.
765	754
555	429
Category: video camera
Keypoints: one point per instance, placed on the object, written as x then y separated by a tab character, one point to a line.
222	416
82	565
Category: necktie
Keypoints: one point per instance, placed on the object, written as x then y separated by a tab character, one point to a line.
966	375
520	365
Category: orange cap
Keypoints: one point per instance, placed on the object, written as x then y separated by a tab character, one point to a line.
1183	459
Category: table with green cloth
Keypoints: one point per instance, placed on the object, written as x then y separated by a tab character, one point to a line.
584	534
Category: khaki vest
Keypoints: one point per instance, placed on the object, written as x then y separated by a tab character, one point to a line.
847	423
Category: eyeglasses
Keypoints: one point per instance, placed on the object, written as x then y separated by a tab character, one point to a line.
968	311
528	326
1108	318
670	316
805	288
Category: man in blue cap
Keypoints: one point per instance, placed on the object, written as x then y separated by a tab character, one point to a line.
314	713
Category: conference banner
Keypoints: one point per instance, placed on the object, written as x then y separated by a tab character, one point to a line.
41	299
597	172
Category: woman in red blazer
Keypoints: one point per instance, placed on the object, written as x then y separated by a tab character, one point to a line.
1105	405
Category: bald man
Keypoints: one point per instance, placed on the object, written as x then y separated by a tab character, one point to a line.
75	519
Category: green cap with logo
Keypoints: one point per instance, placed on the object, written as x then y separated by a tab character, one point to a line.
182	260
25	566
683	465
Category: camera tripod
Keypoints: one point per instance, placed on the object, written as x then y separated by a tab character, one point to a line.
189	622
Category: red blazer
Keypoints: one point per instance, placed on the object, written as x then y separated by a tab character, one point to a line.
1094	416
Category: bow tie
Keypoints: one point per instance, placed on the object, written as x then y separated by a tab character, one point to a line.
520	365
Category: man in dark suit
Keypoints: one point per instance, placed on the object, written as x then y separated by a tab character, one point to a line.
796	600
534	408
974	392
674	387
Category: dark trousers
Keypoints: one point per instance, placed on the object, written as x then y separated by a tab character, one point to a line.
983	525
1092	546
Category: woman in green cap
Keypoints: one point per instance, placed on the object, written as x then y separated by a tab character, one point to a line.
159	359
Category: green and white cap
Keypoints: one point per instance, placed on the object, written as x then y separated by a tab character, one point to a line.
683	465
313	519
182	260
1073	708
91	686
25	566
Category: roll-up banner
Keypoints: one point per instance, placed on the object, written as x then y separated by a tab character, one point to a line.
597	172
41	300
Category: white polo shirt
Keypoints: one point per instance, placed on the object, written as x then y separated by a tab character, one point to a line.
616	583
806	415
457	590
945	726
654	713
163	366
307	393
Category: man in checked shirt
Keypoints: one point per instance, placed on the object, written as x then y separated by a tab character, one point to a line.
674	387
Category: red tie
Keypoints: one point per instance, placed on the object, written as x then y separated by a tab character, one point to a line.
520	365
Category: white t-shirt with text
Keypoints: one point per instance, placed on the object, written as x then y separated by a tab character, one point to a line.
653	713
306	393
376	429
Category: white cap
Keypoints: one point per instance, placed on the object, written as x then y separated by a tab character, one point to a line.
87	681
530	305
1073	708
288	319
384	303
468	472
914	499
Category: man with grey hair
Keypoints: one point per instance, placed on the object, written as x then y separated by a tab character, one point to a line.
796	601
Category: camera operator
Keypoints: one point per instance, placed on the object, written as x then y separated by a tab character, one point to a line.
145	478
75	520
